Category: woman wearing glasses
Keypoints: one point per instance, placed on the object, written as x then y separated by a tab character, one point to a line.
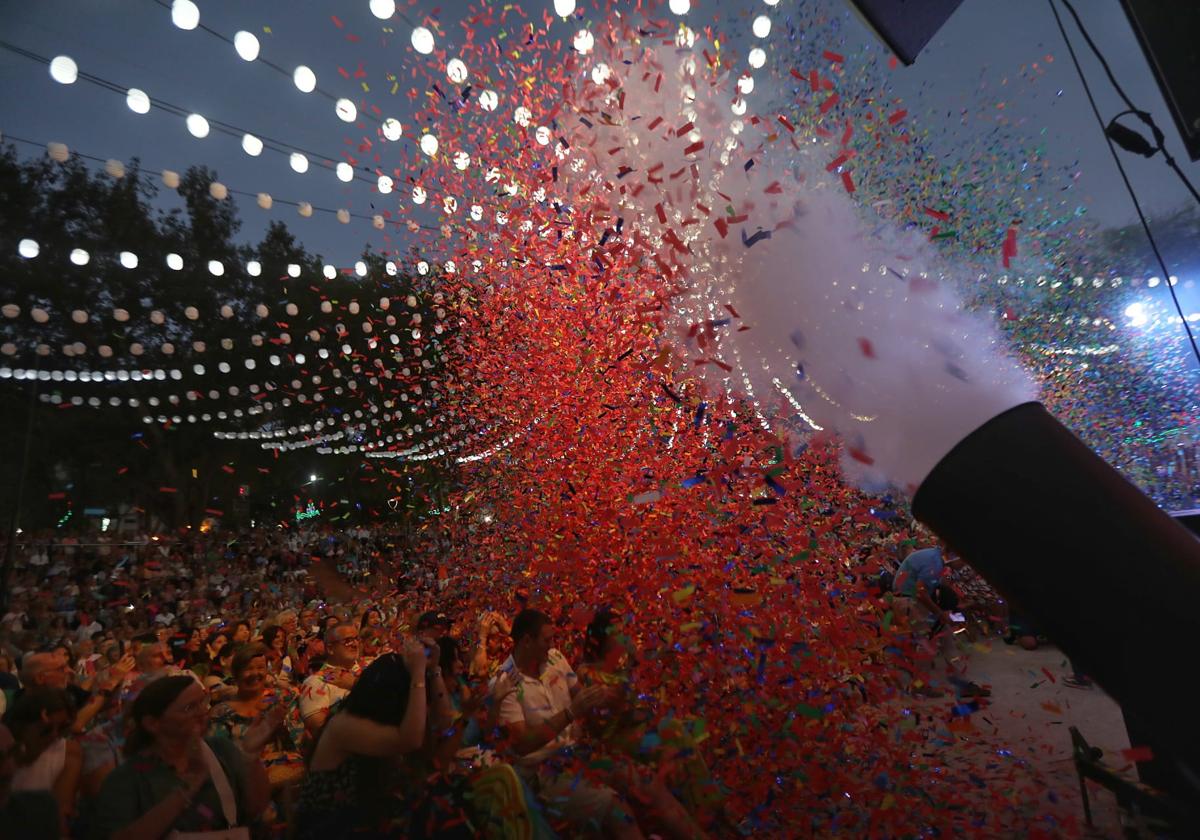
175	779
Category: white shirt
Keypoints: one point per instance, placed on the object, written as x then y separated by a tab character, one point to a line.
523	699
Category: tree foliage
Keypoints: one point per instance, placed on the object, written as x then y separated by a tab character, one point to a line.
109	456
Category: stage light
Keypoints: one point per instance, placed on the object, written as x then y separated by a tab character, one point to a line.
1136	313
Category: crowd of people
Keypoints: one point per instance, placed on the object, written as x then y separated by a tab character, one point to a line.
213	683
200	685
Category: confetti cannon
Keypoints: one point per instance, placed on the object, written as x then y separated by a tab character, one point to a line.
1112	579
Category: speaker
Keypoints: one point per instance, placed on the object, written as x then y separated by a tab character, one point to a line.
1169	32
906	26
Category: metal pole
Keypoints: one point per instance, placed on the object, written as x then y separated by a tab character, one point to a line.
10	550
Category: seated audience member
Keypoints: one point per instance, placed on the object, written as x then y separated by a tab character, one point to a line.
538	699
48	759
35	812
333	681
256	703
649	767
279	664
494	645
176	780
356	784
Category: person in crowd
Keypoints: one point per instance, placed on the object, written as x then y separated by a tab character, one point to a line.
174	779
257	700
925	602
650	767
333	681
356	784
241	634
279	664
217	641
219	680
494	644
48	758
538	699
35	811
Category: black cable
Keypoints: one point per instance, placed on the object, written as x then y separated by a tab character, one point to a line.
1128	186
280	70
231	190
270	143
1144	116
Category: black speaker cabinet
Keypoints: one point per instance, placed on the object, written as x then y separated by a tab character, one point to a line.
1169	32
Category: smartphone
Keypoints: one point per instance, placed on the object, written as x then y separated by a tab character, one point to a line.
958	617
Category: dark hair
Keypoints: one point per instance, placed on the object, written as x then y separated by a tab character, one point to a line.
244	656
269	634
366	615
153	701
597	633
529	622
146	638
381	693
33	703
448	658
323	624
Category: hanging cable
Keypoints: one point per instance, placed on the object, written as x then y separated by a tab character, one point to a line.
272	144
1144	116
1124	177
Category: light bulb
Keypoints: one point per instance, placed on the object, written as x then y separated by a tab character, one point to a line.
422	40
251	145
185	14
138	101
197	125
304	79
383	9
64	70
246	45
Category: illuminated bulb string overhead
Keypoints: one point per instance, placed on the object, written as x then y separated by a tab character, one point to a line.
248	48
197	124
174	261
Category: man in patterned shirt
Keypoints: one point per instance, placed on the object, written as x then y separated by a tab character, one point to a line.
333	681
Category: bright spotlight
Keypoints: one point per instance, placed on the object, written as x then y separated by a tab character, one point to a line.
1136	313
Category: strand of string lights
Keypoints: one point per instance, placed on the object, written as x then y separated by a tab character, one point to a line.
65	71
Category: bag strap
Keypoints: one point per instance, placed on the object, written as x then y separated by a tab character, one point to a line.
221	783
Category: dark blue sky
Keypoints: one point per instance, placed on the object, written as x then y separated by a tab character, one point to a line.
133	42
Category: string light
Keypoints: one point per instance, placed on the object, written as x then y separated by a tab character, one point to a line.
246	45
64	70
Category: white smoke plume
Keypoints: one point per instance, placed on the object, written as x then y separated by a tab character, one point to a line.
791	287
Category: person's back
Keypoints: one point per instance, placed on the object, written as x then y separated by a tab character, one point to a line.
923	566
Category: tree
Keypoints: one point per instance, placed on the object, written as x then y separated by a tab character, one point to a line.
194	350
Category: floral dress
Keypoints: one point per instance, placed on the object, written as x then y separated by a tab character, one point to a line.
282	757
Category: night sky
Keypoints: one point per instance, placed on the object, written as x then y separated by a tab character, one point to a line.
972	64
